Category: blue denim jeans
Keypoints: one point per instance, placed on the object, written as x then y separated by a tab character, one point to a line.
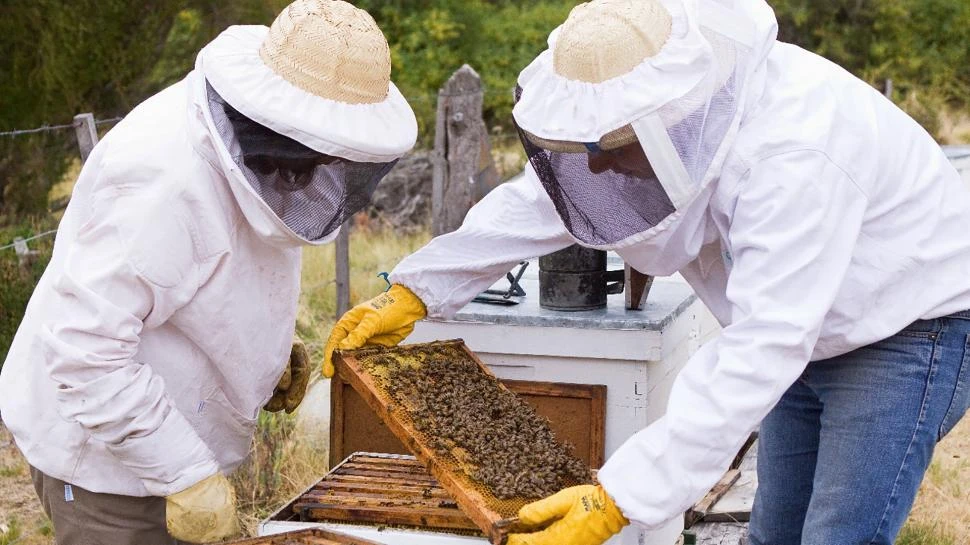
842	455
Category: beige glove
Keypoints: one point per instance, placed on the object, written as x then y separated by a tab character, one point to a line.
385	320
292	386
203	513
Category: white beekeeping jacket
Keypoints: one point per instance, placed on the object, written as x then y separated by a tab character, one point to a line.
164	319
835	222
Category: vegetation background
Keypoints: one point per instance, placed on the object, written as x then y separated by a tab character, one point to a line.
59	58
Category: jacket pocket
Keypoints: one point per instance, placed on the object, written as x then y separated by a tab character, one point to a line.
227	432
961	395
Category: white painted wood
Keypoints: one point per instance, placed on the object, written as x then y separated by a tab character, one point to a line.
630	535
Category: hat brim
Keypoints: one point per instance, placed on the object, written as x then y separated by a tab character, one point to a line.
556	108
378	132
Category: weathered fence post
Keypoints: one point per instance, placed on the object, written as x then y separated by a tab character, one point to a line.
87	134
888	89
342	249
461	152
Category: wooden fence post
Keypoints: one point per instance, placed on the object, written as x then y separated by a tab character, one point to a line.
462	154
87	134
342	249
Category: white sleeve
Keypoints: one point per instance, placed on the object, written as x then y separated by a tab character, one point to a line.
796	222
515	222
105	297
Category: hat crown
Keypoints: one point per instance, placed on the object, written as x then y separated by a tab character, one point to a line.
604	39
331	49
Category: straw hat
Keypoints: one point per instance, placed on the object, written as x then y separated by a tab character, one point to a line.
603	40
331	49
321	75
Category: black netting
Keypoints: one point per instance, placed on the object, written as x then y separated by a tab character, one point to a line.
598	209
313	193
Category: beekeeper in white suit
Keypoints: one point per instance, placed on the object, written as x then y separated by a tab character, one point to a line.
165	318
816	220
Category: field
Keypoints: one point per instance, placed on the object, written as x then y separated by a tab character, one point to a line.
283	463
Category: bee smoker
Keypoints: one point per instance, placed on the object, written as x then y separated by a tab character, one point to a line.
576	279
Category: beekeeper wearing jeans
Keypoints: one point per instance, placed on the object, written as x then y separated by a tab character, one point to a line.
164	321
823	227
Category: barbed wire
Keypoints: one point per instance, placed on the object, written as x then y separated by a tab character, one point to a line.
45	128
26	240
52	128
416	98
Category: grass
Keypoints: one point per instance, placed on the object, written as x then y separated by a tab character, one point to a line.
10	532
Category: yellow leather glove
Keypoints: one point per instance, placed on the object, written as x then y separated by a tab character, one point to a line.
581	515
203	513
385	320
292	386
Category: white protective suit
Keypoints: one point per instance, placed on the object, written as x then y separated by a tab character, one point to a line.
833	222
165	318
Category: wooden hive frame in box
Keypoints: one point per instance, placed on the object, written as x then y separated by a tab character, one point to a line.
466	492
385	489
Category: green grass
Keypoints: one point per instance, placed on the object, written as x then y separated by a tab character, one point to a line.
10	532
924	534
15	470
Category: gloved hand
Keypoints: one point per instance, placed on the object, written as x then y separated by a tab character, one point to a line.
203	513
292	386
385	320
581	515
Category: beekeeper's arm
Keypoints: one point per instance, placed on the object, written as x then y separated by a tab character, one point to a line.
122	274
796	222
514	222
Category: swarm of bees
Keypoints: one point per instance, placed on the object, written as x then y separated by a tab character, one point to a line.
497	438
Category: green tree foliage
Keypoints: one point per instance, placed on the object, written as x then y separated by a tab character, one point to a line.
922	45
60	58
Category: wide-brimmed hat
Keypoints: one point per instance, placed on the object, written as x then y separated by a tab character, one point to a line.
321	75
611	62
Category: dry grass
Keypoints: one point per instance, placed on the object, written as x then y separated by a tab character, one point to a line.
954	127
21	519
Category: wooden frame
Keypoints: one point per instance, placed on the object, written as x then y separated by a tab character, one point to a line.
468	498
382	489
594	392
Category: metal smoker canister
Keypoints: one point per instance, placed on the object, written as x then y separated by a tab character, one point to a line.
573	279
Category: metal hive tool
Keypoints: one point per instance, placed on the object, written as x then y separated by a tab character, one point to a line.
369	371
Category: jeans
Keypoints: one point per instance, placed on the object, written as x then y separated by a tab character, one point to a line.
842	455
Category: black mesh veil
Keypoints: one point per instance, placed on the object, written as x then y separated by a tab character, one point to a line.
599	209
311	192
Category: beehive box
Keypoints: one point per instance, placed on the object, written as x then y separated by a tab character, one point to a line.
486	447
306	537
389	490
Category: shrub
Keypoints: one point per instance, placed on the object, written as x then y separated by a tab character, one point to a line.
17	283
